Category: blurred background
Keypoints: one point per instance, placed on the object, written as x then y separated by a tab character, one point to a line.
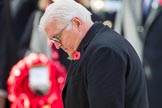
106	9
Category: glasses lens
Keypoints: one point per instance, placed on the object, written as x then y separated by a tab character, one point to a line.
55	40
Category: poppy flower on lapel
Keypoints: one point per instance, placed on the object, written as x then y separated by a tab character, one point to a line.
75	56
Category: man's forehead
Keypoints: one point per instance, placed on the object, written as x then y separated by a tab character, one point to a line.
50	22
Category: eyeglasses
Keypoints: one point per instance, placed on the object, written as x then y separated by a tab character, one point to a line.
56	38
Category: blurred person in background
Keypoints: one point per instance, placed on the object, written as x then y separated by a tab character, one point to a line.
34	41
21	11
7	50
140	22
31	36
106	9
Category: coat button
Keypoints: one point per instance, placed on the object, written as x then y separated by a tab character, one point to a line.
140	29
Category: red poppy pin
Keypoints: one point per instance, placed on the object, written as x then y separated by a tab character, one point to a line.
75	56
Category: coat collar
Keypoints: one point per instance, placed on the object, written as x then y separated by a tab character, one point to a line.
89	36
154	13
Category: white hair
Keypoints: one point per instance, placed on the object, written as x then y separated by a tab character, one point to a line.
62	12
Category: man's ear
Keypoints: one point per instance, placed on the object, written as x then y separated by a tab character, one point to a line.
77	23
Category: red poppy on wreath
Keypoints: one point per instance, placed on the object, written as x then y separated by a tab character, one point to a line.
75	56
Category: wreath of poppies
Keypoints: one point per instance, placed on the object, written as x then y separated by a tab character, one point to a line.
19	93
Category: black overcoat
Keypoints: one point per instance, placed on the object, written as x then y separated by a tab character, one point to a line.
109	73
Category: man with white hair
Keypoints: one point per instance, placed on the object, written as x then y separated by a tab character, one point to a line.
105	71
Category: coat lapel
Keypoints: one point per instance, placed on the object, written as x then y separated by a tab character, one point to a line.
72	67
154	13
